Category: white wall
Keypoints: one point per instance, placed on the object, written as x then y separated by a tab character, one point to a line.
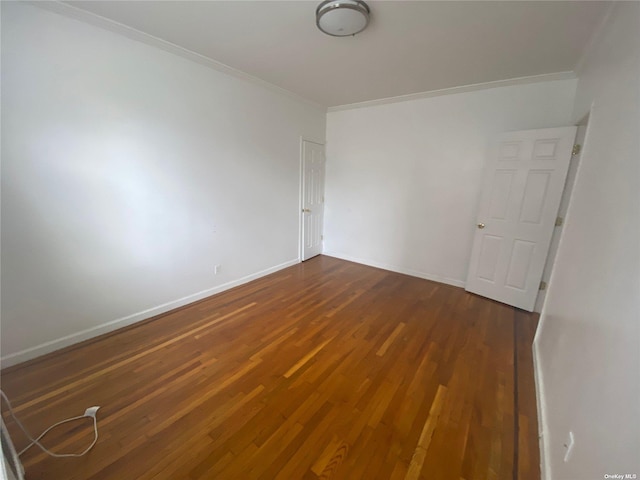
403	179
127	174
588	343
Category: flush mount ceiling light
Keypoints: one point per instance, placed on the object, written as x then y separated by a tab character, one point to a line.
341	18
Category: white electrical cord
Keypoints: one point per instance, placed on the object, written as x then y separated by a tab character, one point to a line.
89	412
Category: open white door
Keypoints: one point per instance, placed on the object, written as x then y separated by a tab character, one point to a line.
523	182
312	198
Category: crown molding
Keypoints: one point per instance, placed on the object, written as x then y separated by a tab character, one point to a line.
547	77
90	18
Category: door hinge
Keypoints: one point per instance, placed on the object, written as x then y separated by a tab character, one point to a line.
321	237
576	149
559	221
543	286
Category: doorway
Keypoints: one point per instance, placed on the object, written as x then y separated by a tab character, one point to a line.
562	211
312	204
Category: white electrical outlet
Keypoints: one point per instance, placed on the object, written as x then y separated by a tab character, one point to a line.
216	269
569	447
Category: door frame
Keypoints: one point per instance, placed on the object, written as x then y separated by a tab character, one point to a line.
301	189
565	201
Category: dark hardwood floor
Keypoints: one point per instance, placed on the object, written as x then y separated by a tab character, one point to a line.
327	369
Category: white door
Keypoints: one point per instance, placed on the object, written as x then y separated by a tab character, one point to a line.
523	182
312	198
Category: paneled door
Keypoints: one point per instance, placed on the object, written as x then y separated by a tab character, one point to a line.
523	183
313	161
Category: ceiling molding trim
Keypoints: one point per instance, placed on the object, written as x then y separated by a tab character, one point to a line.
133	34
547	77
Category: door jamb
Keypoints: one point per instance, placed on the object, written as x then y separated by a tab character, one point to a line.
557	234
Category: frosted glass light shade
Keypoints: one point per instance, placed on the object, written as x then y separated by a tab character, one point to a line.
341	18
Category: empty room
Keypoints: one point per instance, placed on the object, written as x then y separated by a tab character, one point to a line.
336	239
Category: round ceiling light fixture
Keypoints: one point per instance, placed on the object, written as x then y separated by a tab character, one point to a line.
342	18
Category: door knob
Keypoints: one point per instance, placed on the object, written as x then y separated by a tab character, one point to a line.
481	225
306	210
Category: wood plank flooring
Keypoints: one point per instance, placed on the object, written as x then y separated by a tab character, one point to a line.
324	370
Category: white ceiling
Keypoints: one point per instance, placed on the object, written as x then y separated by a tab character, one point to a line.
409	47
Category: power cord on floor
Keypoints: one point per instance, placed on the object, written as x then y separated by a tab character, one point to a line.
89	412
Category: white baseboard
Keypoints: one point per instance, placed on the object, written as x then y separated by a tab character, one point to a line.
47	347
394	268
542	416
